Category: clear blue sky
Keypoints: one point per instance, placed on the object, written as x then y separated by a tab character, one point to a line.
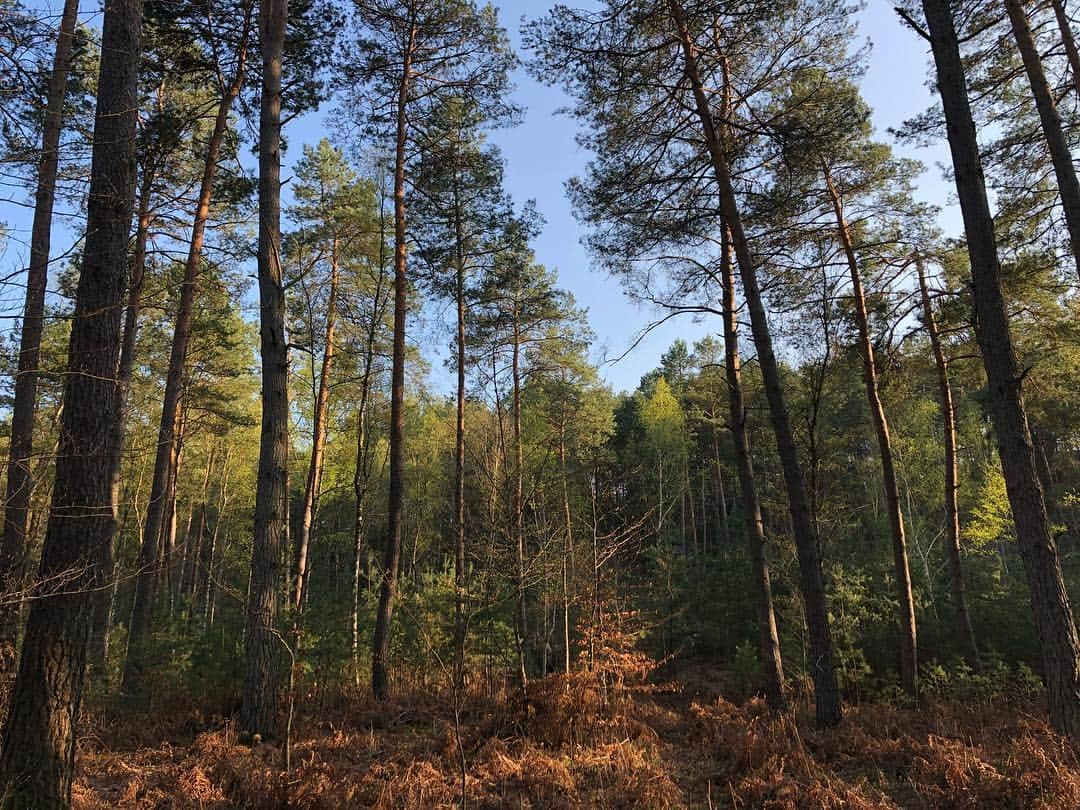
541	154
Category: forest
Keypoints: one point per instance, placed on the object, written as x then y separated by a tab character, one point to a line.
317	488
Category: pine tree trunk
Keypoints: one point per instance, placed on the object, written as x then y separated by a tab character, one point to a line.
812	581
105	599
568	545
518	508
262	642
396	501
768	638
21	444
1053	132
459	457
909	655
37	759
142	612
1054	620
964	633
721	495
313	485
1069	41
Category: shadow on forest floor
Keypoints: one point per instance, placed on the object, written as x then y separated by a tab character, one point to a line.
588	744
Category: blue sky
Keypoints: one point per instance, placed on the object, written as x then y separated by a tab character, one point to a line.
541	155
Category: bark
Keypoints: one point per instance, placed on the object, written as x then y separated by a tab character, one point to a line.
909	655
1053	130
396	501
1054	622
721	495
142	612
768	638
105	600
459	454
262	642
518	507
965	635
37	759
196	536
360	476
1069	41
812	581
313	485
568	545
21	444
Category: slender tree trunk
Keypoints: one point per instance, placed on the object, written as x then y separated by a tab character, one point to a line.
812	581
1054	620
909	655
262	642
313	486
768	638
167	549
568	545
964	632
360	476
204	565
21	446
142	612
396	503
37	759
1053	131
459	455
196	534
721	496
1069	41
519	507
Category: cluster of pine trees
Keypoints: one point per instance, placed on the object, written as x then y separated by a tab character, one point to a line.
216	485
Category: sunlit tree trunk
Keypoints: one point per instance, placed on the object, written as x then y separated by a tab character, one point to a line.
964	632
396	501
313	485
142	611
909	657
1052	611
1053	131
768	638
812	581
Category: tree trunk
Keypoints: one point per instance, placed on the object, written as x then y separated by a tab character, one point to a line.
568	545
768	638
1069	41
964	633
37	759
360	476
262	642
1054	621
1053	132
142	612
519	508
459	456
105	600
721	495
313	485
815	604
21	446
909	655
396	502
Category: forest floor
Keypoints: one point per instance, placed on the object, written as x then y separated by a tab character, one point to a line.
676	745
